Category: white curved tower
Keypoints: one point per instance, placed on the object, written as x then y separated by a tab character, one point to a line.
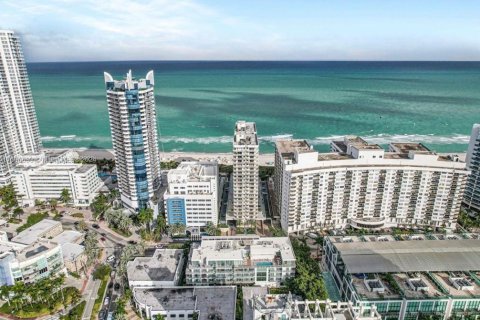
133	123
19	132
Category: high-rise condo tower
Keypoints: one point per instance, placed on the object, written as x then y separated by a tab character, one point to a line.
472	192
19	133
245	172
133	123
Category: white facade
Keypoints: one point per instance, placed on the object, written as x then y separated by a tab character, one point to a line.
472	192
363	186
44	182
19	133
247	259
245	172
29	263
192	194
133	123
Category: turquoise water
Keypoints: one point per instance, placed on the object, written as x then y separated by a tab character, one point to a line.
199	102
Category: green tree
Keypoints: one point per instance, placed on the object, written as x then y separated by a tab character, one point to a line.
102	271
212	229
9	197
145	217
53	204
91	247
177	229
99	206
17	212
65	196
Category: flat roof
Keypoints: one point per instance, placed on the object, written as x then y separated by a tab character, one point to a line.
289	146
410	256
240	248
162	266
30	235
68	236
245	133
71	251
406	147
211	302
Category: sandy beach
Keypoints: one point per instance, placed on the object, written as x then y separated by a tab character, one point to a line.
265	159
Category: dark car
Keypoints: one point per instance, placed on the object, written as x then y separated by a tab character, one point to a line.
76	223
117	286
96	226
110	285
103	234
132	242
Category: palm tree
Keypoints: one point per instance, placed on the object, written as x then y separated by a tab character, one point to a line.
212	229
53	204
91	247
145	216
177	228
65	196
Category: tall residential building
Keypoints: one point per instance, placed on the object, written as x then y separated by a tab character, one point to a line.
245	172
192	194
133	123
472	192
19	133
361	185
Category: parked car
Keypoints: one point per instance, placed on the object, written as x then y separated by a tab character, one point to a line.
96	226
111	258
106	301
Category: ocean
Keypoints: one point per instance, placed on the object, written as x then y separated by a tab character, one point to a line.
198	102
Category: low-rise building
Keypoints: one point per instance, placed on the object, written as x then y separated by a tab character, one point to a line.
186	303
74	257
247	259
47	229
162	269
433	276
29	263
47	181
363	186
191	198
258	304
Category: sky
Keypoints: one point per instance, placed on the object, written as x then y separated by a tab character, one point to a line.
98	30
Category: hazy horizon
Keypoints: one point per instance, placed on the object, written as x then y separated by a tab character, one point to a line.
270	30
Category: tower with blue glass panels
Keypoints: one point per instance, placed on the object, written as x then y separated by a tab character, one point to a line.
133	123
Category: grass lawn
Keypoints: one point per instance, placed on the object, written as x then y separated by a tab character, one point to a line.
76	313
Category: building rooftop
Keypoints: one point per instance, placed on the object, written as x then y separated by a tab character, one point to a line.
31	234
37	248
193	171
288	147
250	249
210	302
406	147
129	83
162	266
71	251
68	236
410	256
245	133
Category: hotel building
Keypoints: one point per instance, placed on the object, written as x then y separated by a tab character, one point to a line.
412	277
472	192
361	185
133	123
191	198
19	133
47	181
245	172
247	259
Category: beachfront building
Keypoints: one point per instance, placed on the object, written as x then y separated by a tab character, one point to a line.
44	181
420	276
19	133
163	269
245	172
260	305
186	303
361	185
472	192
133	123
191	198
247	259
